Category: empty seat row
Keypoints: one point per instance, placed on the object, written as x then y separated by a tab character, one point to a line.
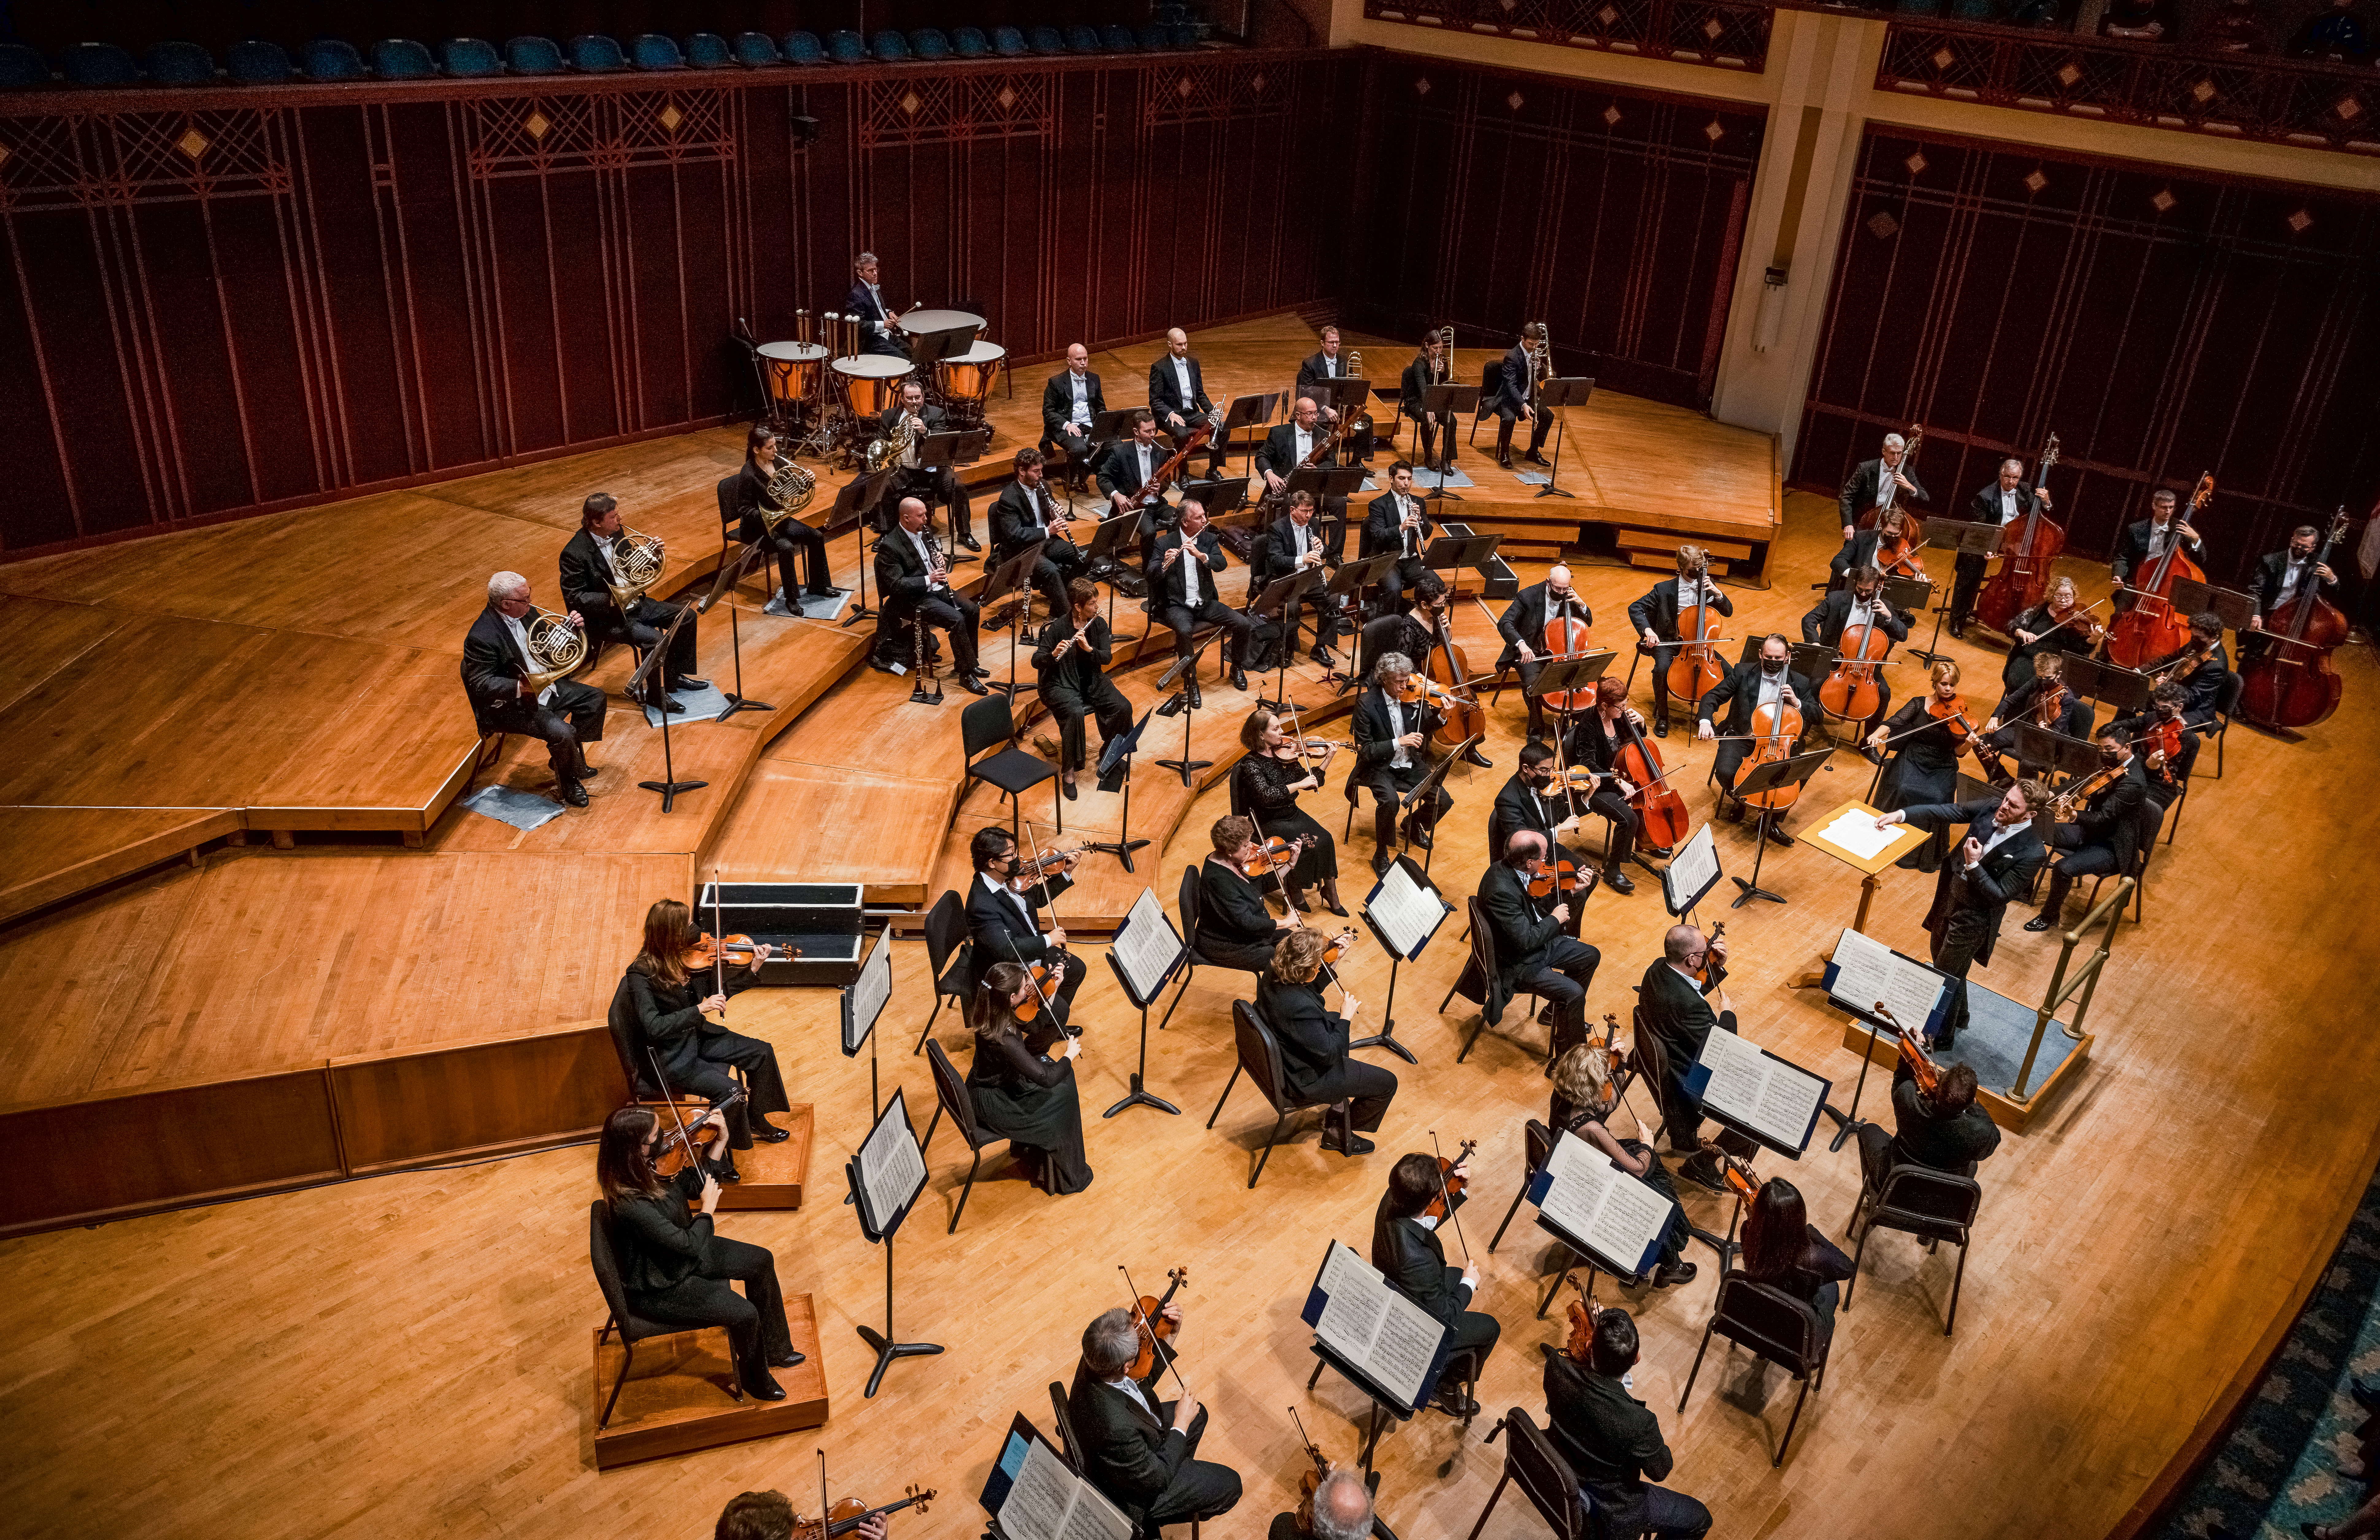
258	62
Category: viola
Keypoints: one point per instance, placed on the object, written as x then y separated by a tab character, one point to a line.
1914	437
1952	715
1713	972
1309	1480
1852	688
1606	1042
1566	636
1584	1311
1276	854
1147	1315
2154	627
849	1513
736	950
2025	566
1558	874
2166	737
1927	1073
2295	683
1895	556
1449	1186
1774	729
1695	671
1044	995
1662	810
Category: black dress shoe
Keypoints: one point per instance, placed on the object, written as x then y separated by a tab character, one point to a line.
1348	1143
1322	655
761	1387
1382	860
1503	462
2037	924
768	1132
1239	677
1472	756
1731	811
1675	1273
969	541
688	681
1069	788
790	1361
1959	630
822	593
1336	908
1617	880
1703	1172
1196	700
1778	837
1661	727
1418	837
587	771
2366	1392
970	684
1451	1401
573	793
1656	852
1536	459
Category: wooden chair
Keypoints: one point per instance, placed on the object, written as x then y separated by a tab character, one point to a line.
633	1328
1916	1200
1775	1325
946	937
951	1095
1547	1479
1259	1059
983	724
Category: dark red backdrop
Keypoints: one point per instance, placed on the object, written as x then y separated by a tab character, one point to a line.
2161	325
222	301
1495	198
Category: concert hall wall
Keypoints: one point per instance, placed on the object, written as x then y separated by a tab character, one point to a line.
215	303
1497	198
2162	325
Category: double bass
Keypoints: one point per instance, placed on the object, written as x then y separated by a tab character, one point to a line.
2153	628
1696	670
2295	683
2025	567
1908	456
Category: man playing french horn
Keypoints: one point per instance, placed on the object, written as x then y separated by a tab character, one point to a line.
902	428
514	662
605	570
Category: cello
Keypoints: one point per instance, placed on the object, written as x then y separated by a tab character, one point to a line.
1448	667
1566	636
1852	691
2295	683
1662	810
1695	671
2153	628
2024	571
1774	729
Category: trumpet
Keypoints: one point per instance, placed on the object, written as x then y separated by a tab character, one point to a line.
1355	363
557	644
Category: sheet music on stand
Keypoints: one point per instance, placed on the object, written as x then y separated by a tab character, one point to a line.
864	1000
1404	909
1033	1494
1692	873
1395	1347
1864	971
1599	1211
1147	949
891	1171
1758	1094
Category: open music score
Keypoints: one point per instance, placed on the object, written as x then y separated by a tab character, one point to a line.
1044	1498
1863	971
1749	1089
1597	1209
1361	1318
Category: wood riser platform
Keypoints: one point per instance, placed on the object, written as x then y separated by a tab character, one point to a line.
676	1400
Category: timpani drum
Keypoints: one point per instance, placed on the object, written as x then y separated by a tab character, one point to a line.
919	323
971	375
792	371
871	382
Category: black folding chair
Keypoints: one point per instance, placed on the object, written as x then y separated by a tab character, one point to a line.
992	720
1540	1142
633	1328
946	936
1775	1325
2225	704
1259	1059
1548	1480
1481	970
1916	1200
950	1093
1187	902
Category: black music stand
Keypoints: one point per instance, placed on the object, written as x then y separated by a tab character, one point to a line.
885	1144
1322	483
1246	411
2108	683
1567	391
1565	675
852	503
2037	745
1116	758
1955	537
1446	401
1185	667
1399	953
639	685
1794	771
1155	918
1282	594
1427	788
2192	597
1100	562
948	450
1448	552
729	575
929	348
1014	575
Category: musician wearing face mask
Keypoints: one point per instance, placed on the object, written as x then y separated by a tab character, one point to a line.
1303	440
1533	955
1398	520
1535	610
587	571
1298	543
1183	565
1516	396
1894	527
1433	365
1532	800
2042	700
1654	619
1003	906
663	1011
2104	839
1024	514
2199	668
1766	683
2167	718
1997	859
2282	578
1861	604
2059	624
1392	757
2145	541
915	580
1407	1250
1886	481
909	423
1177	393
2003	503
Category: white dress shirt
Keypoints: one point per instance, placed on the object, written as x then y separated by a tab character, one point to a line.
1397	730
520	640
1081	383
2007	505
1187	564
1182	375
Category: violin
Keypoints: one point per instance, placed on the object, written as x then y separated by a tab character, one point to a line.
2195	654
1558	874
2066	806
1148	1316
1029	867
2154	627
1044	995
1713	973
1449	1186
1952	715
850	1513
1309	1481
1303	750
1663	811
683	1143
1606	1042
2295	684
2166	739
1895	556
1276	854
1850	691
1927	1073
2025	567
736	950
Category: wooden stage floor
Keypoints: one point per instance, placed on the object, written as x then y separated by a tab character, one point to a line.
406	1355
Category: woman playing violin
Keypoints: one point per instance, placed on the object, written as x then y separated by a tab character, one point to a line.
1929	733
1235	929
672	1265
1784	1250
1314	1044
2059	624
2042	700
1266	783
663	1009
1018	1094
1584	1098
1597	737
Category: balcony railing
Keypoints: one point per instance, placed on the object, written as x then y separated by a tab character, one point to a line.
2148	85
1724	34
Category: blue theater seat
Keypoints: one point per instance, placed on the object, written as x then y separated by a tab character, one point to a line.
533	55
968	42
754	50
401	59
1008	43
709	51
257	61
846	47
179	63
595	54
652	50
804	48
22	68
98	63
928	43
469	58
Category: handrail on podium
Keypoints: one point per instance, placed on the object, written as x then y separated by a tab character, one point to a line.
2086	979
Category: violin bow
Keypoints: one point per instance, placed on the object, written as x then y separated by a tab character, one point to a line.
1156	1346
1448	1198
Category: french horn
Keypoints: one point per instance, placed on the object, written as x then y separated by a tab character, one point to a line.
636	565
555	645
